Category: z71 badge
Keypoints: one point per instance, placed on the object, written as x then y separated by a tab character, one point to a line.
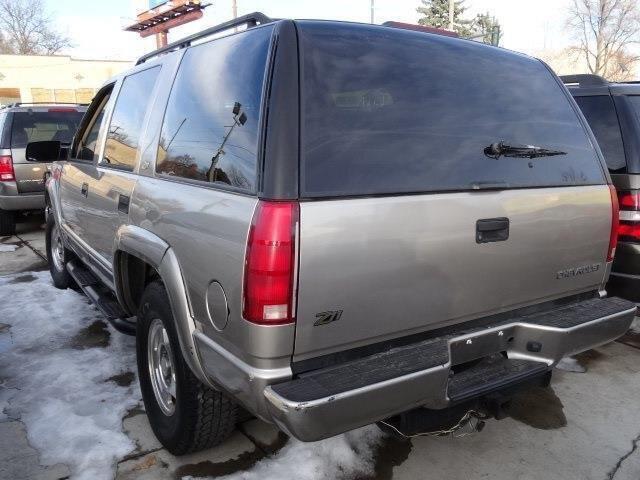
327	317
574	272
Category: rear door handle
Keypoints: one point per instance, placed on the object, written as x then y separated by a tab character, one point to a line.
492	230
85	189
123	203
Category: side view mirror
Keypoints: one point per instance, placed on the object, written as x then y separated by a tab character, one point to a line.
45	151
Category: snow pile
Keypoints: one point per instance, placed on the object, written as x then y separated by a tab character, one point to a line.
55	372
570	364
343	456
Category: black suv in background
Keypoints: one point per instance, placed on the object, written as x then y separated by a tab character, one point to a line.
613	112
21	178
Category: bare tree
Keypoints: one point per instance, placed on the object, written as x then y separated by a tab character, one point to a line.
26	29
605	29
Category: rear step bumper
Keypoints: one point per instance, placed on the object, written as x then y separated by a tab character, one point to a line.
336	399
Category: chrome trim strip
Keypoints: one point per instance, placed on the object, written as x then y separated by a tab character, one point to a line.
629	216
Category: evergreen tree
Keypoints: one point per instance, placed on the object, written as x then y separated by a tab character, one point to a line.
435	13
488	27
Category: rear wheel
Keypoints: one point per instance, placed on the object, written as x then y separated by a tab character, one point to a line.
184	414
57	255
7	223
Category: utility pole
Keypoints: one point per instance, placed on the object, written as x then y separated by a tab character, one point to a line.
372	11
235	12
452	8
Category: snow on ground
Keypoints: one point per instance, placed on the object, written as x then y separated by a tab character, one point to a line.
58	365
8	248
57	362
343	456
570	364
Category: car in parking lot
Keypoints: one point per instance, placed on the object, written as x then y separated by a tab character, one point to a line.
22	179
334	224
613	112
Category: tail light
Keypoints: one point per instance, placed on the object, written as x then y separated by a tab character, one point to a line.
629	227
270	264
629	201
615	221
6	168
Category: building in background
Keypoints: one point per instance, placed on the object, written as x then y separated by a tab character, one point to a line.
53	78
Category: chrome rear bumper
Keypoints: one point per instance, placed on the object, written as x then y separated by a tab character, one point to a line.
299	407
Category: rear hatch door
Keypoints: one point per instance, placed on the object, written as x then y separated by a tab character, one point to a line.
410	220
38	124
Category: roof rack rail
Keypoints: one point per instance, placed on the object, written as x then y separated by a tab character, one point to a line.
421	28
22	104
584	80
250	20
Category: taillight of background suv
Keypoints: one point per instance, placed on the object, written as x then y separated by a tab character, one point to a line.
629	227
6	169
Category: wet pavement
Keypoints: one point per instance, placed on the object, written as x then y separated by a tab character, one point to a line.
584	426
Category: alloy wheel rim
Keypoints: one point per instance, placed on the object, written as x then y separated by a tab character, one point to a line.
161	367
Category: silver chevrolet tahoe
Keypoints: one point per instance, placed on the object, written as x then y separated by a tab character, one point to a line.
333	224
22	178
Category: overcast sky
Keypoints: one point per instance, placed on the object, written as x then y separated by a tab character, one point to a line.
96	27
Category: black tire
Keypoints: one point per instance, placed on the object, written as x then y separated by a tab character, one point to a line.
59	275
7	223
202	417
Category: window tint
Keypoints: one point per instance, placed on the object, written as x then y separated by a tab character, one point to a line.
38	126
131	106
87	148
387	110
634	101
4	131
601	114
211	125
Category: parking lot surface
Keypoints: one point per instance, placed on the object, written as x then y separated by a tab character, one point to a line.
70	407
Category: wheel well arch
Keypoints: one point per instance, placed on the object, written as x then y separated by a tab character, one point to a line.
132	275
133	271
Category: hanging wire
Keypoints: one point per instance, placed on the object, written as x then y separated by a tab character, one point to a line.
472	420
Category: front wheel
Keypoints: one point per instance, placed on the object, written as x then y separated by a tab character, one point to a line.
57	255
184	414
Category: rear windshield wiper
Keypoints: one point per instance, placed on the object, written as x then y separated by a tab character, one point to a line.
502	149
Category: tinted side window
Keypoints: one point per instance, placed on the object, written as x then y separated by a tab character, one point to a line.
4	130
392	111
211	126
87	146
601	114
131	106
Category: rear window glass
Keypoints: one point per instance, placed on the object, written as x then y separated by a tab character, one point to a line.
39	126
391	111
601	114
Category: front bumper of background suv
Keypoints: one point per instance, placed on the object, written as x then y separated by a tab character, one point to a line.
11	199
339	398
